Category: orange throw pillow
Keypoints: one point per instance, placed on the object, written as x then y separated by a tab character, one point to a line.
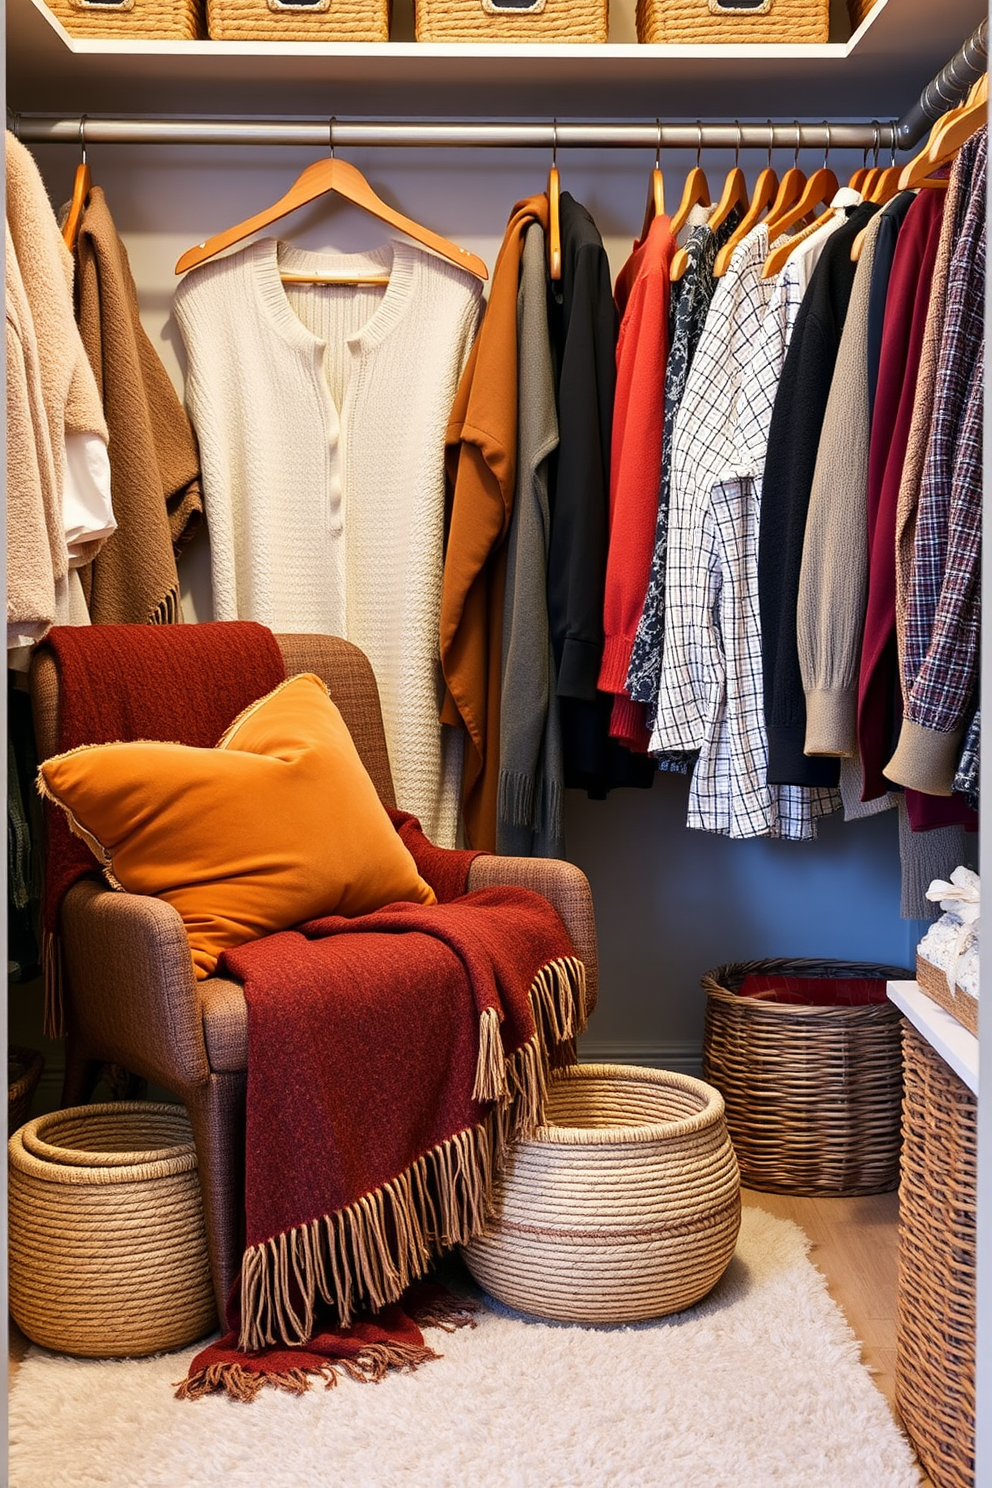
278	824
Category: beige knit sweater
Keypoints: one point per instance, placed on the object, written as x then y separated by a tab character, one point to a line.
53	406
833	579
320	412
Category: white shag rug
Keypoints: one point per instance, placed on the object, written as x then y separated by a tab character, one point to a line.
761	1384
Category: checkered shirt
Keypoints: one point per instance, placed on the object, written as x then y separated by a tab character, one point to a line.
711	682
943	622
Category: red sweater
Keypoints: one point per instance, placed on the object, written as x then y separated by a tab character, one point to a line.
641	293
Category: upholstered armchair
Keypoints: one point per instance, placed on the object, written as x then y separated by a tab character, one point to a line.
130	993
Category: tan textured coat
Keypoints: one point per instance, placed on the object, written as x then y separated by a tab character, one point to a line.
155	467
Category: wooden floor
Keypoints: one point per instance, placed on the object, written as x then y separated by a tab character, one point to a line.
855	1245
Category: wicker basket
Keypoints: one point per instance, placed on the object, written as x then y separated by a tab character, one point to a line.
108	1252
307	20
935	1342
24	1070
626	1205
931	980
813	1093
501	20
138	20
858	10
732	22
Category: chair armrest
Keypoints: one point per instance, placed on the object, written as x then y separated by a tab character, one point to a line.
564	886
131	991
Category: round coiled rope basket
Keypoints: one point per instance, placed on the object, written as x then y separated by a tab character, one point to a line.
108	1251
625	1206
813	1093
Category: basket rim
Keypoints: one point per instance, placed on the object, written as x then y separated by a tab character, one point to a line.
31	1154
602	1136
712	983
33	1062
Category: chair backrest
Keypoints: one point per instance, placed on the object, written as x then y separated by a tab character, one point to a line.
346	670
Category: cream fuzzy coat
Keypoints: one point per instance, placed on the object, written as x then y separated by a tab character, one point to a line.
54	412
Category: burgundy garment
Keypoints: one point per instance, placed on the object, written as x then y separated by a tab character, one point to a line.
184	684
879	693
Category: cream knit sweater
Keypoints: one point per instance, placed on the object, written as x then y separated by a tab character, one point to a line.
320	412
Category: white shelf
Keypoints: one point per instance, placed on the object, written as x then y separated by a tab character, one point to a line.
955	1045
895	52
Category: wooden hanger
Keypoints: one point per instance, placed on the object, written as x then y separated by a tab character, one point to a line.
320	178
734	194
554	213
656	190
946	138
695	192
765	193
81	187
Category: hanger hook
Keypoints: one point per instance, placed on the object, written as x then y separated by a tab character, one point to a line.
826	147
657	148
799	140
877	134
892	146
82	137
330	133
554	145
737	147
771	142
699	141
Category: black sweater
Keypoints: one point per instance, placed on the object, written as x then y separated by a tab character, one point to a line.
583	327
793	438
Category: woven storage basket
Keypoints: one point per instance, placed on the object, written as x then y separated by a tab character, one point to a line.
281	20
139	20
24	1070
499	20
935	1341
933	982
813	1093
691	22
626	1205
858	10
108	1253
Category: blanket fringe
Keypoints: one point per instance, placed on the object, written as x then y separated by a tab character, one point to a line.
368	1368
365	1256
490	1071
168	611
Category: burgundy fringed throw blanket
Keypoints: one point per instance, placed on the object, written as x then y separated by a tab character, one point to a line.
391	1060
183	683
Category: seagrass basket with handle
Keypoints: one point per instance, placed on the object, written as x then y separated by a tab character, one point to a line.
812	1085
732	22
513	20
108	1250
137	20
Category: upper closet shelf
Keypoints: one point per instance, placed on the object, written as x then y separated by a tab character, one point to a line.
876	73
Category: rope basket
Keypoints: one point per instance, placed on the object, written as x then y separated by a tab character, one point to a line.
625	1206
306	20
935	1341
131	20
732	22
932	981
813	1093
108	1251
24	1070
585	21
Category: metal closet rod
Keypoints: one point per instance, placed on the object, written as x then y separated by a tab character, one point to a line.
39	129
